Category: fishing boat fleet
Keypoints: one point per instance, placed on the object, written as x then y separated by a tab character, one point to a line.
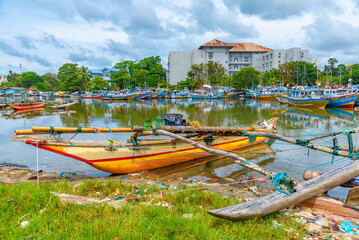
315	97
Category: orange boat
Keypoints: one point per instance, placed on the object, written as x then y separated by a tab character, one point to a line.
26	105
145	155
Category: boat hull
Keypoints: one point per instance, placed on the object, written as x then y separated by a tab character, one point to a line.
145	156
97	97
26	106
319	103
345	101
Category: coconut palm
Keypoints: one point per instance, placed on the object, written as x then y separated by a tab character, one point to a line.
85	75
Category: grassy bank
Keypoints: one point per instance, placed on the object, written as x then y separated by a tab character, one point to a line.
178	213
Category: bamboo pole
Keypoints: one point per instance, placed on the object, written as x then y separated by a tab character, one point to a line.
219	130
47	130
240	160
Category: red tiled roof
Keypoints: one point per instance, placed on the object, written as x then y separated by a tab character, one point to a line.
217	43
237	47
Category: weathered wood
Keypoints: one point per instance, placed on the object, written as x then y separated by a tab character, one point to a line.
329	205
62	106
240	160
307	175
219	130
81	130
353	198
276	201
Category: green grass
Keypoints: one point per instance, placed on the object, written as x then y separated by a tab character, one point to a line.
51	219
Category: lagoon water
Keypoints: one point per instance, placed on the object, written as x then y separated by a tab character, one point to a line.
279	157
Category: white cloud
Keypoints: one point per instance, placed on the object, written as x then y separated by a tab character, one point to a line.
43	34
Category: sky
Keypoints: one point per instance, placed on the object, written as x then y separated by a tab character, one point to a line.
42	35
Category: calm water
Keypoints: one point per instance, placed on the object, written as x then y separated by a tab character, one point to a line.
280	157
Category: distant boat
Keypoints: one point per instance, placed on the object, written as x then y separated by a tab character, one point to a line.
62	106
309	102
281	98
180	94
206	95
26	105
89	95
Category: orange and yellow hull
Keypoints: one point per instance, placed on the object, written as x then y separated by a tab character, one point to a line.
145	156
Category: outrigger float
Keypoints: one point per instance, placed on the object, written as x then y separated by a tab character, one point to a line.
199	142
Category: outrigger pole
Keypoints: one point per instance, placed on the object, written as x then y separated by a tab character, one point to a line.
242	161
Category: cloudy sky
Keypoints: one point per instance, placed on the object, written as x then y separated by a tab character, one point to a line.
42	35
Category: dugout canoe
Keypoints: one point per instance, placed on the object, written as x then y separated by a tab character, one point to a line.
144	155
62	106
276	201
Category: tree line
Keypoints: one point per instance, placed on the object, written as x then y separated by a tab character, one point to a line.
287	74
150	73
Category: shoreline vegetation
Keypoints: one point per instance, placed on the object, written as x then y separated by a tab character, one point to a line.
134	206
149	72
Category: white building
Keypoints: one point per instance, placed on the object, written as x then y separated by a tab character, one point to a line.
233	56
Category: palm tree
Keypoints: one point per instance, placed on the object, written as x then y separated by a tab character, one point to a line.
85	75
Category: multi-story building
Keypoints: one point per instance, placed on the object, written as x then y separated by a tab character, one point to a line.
233	56
104	73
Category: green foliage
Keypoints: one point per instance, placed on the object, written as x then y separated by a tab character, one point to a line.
30	79
212	73
85	75
246	78
50	81
146	73
69	78
97	83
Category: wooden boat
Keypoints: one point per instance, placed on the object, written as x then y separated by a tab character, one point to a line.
308	102
125	96
343	101
26	105
62	106
141	155
276	201
281	98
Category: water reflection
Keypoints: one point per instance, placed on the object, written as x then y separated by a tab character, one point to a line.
97	113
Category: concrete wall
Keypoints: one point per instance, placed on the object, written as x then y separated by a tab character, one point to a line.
179	64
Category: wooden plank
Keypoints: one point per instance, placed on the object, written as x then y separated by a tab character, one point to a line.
353	198
276	201
329	205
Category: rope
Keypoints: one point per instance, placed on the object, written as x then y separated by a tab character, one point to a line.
282	179
319	165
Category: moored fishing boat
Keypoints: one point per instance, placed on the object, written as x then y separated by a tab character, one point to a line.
306	98
26	105
281	98
91	96
309	102
62	106
343	101
139	155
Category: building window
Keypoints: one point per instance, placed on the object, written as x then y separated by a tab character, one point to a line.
246	59
302	55
235	67
271	56
210	55
279	55
278	62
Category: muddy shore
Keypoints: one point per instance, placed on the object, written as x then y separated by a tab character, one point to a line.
320	224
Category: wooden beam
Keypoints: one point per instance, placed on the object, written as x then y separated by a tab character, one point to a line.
330	205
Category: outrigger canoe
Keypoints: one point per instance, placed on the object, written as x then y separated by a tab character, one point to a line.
142	155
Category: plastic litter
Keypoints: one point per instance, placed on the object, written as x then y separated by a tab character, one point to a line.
24	224
348	227
187	215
